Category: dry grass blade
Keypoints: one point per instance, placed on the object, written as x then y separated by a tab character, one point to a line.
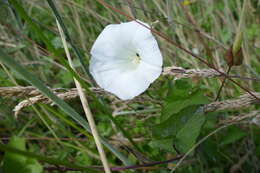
85	106
18	91
179	72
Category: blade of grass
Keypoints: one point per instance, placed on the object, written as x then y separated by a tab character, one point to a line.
50	123
65	120
12	64
82	131
67	36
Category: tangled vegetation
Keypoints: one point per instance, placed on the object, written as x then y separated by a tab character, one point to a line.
201	115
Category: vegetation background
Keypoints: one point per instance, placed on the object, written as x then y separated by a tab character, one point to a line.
165	122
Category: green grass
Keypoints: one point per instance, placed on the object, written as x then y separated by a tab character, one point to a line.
155	126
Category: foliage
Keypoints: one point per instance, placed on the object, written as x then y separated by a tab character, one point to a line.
165	121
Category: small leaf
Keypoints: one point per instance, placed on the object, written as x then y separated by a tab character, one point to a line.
188	134
234	59
229	57
171	126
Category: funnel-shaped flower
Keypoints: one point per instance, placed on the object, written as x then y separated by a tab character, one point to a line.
125	59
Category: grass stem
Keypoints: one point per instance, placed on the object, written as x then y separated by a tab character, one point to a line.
86	107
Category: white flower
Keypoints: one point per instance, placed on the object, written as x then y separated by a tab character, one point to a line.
125	59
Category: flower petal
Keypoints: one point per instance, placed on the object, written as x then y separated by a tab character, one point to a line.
149	51
144	42
107	46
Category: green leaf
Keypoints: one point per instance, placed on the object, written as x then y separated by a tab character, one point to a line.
188	134
162	144
233	134
181	96
32	166
171	126
16	163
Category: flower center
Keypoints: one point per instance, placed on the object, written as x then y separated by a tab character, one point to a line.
136	59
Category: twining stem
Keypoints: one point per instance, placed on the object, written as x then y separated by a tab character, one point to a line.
120	168
223	83
85	106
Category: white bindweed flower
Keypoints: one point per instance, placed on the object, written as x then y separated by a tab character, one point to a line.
125	59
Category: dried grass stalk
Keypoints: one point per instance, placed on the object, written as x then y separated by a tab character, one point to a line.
242	102
253	117
18	91
179	72
71	94
30	91
86	108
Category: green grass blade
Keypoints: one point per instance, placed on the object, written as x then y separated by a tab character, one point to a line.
58	17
